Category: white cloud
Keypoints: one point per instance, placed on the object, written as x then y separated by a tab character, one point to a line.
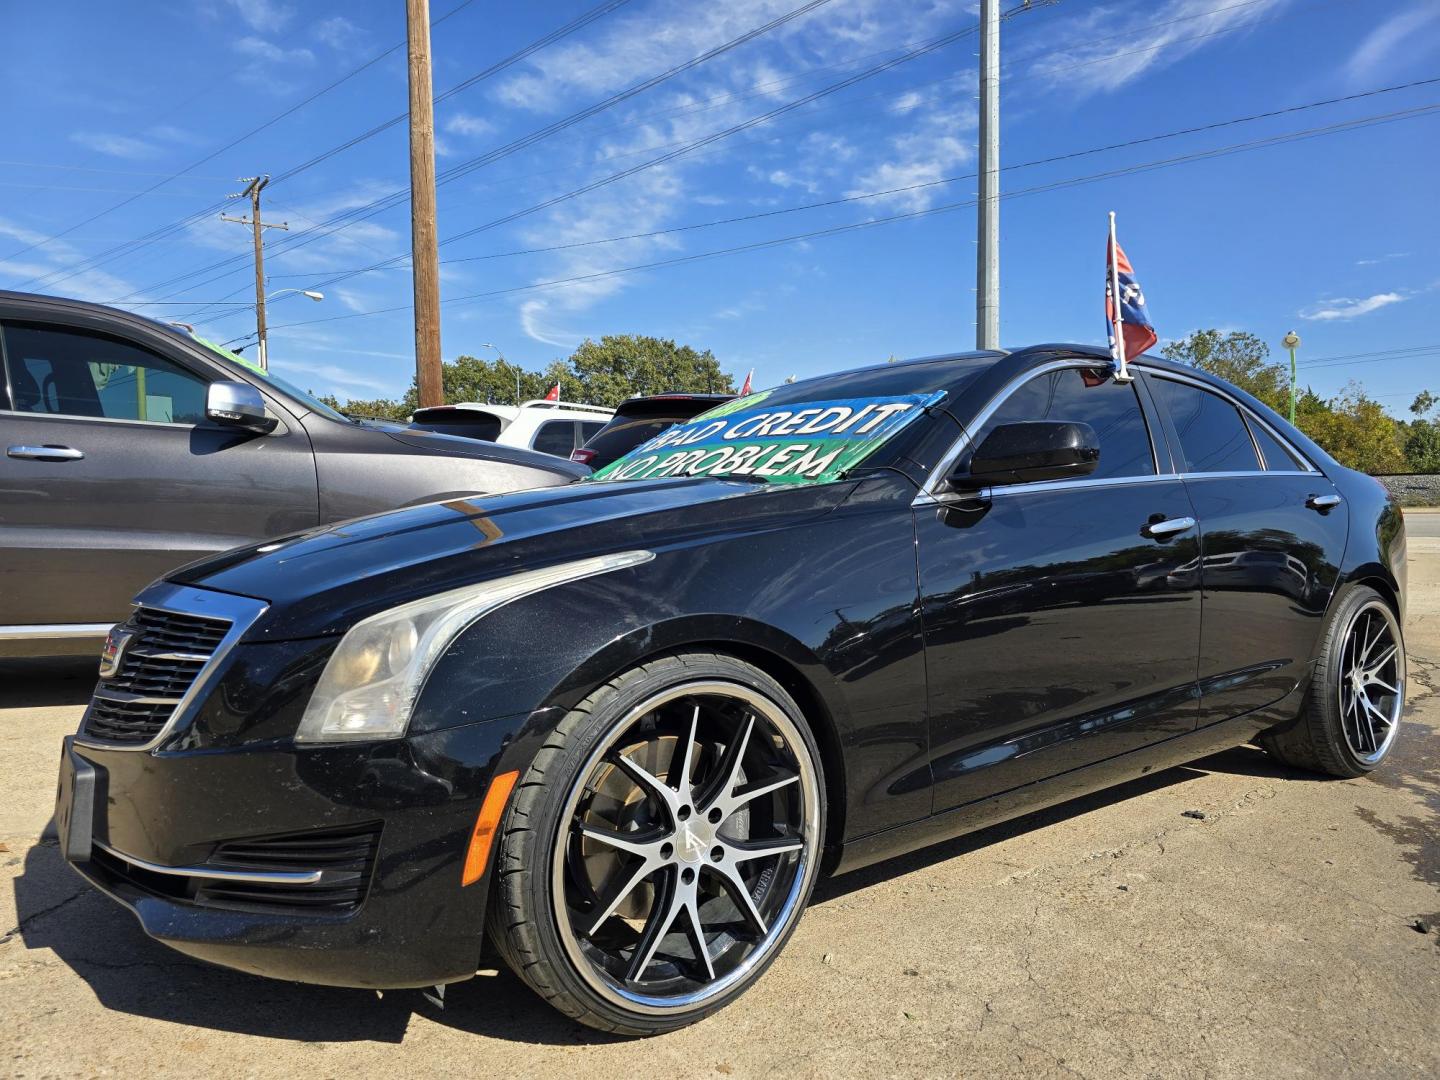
53	257
267	52
906	102
1109	46
463	123
935	148
121	146
265	16
339	33
1404	30
1382	258
1345	307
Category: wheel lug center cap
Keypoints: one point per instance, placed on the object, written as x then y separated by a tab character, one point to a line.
690	846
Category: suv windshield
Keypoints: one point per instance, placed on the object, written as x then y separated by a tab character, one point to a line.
802	433
289	389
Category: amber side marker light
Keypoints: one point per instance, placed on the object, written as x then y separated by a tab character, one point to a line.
485	825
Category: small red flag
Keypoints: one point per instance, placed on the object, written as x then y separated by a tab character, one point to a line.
745	390
554	394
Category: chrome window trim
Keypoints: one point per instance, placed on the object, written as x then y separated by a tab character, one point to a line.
54	631
928	496
254	877
1247	413
951	456
241	611
99	419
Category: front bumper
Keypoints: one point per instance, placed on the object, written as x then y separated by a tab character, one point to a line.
124	813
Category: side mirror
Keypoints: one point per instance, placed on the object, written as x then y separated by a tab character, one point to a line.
238	405
1024	453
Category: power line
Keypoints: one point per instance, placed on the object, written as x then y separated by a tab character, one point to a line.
149	237
399	196
1275	140
399	260
695	144
907	188
337	223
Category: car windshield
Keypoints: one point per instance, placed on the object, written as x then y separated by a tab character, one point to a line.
810	432
287	388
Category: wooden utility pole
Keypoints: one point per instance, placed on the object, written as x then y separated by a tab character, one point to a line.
987	225
256	184
424	247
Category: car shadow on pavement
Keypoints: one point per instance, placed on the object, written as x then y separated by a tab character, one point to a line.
56	680
131	973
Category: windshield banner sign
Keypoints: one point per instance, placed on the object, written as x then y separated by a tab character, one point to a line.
806	443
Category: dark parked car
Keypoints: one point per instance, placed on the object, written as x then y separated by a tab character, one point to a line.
639	419
132	448
619	728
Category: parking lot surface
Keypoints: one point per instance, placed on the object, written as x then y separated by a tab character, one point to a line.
1229	918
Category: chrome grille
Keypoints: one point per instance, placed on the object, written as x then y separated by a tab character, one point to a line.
167	652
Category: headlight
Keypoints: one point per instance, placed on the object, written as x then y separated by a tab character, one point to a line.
373	678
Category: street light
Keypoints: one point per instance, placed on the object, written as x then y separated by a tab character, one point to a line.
313	294
501	355
1291	341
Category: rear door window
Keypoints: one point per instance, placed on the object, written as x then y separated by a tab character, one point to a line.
67	372
555	437
1277	457
1213	436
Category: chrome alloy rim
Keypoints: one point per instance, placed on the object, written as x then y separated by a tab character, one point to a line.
1372	682
686	846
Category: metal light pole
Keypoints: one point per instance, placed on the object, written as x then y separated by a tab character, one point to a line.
1291	341
987	225
501	355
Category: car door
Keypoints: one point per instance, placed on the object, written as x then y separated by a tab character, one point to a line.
1060	627
111	476
1272	531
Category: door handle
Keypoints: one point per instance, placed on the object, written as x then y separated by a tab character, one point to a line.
1323	502
1163	530
45	453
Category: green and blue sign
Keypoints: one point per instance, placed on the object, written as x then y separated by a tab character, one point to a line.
809	442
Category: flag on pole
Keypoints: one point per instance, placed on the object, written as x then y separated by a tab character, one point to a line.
1128	325
554	394
745	389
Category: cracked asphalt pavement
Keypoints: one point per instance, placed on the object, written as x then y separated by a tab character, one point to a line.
1228	918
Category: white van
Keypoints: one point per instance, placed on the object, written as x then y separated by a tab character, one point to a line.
551	427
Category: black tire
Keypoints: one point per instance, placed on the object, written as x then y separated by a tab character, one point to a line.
535	856
1323	738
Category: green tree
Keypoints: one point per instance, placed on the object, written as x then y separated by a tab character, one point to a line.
1239	358
1357	432
606	372
1422	436
375	409
623	365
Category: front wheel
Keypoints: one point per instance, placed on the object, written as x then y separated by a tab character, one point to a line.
662	845
1352	713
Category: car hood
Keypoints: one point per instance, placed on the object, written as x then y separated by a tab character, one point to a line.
322	581
435	443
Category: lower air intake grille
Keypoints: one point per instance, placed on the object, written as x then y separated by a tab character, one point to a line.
165	654
343	856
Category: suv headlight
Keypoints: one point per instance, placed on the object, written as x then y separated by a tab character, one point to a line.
373	678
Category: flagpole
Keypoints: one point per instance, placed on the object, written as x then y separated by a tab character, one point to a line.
1117	351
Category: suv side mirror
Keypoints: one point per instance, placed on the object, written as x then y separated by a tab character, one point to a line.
1036	450
238	405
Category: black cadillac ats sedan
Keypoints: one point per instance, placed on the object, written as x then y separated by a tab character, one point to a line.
615	730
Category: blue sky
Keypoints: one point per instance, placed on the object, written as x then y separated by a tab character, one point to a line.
1333	235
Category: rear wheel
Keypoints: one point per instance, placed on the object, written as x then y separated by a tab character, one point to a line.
662	845
1357	696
